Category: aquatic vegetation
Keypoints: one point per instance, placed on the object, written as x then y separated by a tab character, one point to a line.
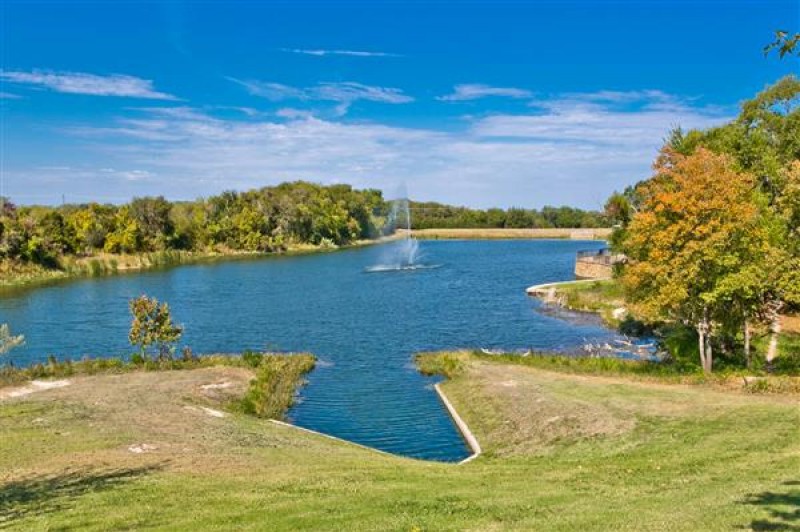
273	389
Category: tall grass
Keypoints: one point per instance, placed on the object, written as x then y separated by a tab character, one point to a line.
106	264
273	390
446	364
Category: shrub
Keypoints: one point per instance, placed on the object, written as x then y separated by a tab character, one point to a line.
152	325
252	359
272	392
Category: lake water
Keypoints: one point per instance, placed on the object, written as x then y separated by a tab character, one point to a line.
363	327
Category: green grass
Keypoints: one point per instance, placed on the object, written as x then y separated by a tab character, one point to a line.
598	296
788	359
563	452
452	364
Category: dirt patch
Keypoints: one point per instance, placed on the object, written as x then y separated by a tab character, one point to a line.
175	415
206	410
33	387
142	448
531	418
791	324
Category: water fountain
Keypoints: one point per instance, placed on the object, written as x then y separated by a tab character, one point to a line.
404	254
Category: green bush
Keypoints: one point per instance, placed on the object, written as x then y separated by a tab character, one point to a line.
272	392
445	364
252	359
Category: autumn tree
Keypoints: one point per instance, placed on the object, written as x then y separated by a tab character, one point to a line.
152	326
90	225
697	224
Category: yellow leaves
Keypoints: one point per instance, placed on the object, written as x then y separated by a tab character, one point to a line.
697	210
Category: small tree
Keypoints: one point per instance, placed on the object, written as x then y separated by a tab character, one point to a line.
152	325
9	341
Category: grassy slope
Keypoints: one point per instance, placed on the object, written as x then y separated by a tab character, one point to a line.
563	452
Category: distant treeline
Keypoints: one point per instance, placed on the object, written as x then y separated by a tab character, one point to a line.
268	219
430	215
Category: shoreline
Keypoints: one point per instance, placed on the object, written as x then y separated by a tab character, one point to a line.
29	276
461	425
104	265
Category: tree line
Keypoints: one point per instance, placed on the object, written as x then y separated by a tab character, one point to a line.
712	239
264	220
431	215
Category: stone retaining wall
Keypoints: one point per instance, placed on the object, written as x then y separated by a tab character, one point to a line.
589	269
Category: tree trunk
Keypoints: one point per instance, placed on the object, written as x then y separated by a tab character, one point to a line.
774	332
704	342
701	344
747	334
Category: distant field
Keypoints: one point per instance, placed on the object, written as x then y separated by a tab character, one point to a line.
561	452
576	234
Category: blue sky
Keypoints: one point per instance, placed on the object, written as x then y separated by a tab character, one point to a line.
521	103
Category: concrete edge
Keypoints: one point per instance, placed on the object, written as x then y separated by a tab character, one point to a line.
537	288
470	438
334	438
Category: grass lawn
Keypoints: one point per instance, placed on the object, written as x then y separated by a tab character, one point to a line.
562	451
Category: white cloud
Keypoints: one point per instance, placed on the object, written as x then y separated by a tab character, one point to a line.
593	125
568	150
611	96
9	96
92	84
272	91
351	53
351	91
343	93
128	175
290	112
477	90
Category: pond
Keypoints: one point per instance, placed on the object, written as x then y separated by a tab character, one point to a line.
363	327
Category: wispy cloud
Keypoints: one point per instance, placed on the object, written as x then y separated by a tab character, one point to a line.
475	91
622	96
9	96
351	53
343	93
272	91
91	84
292	113
563	152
